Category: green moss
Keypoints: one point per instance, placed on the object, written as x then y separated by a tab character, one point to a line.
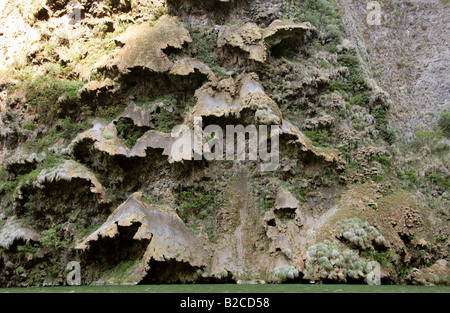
43	92
121	271
320	138
9	188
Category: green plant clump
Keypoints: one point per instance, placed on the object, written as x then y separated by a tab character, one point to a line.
200	210
285	272
320	138
328	260
439	179
381	114
320	13
128	132
360	234
43	93
50	238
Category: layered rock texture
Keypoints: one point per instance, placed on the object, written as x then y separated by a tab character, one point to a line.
95	97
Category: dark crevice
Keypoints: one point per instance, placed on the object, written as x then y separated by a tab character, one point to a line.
285	214
122	247
54	203
128	132
171	272
174	272
141	82
172	51
286	48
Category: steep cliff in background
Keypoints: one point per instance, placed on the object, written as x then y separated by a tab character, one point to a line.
91	90
408	55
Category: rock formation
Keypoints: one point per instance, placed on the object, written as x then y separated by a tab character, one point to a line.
92	170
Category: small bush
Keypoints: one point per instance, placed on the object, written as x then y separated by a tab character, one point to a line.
158	12
333	34
439	180
50	239
412	176
167	111
28	125
444	123
383	159
69	128
164	121
27	248
362	99
360	234
320	13
9	186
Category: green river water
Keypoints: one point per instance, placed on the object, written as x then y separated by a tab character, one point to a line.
232	288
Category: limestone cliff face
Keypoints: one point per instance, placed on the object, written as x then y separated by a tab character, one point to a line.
407	53
91	170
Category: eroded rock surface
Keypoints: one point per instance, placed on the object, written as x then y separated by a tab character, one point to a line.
20	162
255	42
306	145
105	139
66	172
144	45
230	97
248	38
12	230
169	238
338	201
